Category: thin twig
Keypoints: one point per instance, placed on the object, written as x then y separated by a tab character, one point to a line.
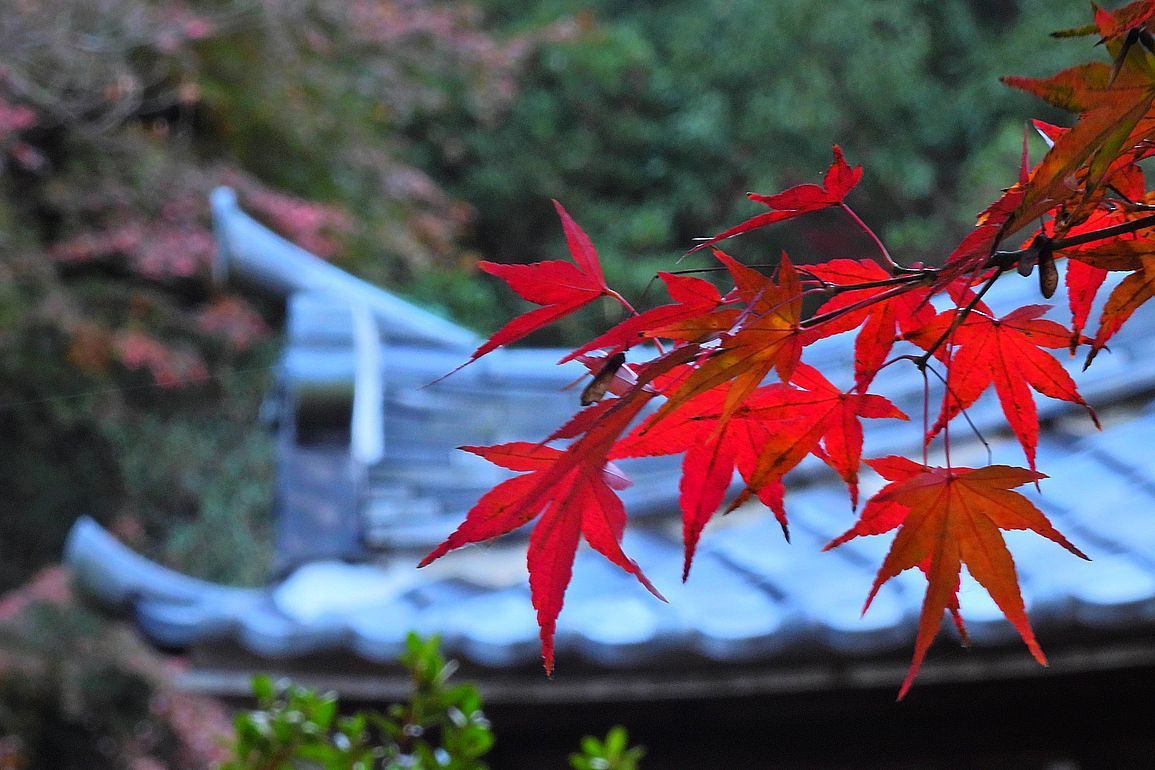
898	280
1106	232
966	416
720	269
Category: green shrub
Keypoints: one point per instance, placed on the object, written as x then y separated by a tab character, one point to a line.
614	753
441	726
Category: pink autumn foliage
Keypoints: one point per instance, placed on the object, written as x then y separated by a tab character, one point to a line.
231	319
169	365
315	227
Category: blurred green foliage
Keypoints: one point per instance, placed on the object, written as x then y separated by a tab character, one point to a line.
184	474
199	480
129	381
652	120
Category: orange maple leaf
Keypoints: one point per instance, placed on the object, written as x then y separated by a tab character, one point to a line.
1125	299
764	336
948	517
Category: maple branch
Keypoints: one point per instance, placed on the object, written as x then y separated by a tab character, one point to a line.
910	275
923	360
898	280
1106	232
900	284
721	269
1005	260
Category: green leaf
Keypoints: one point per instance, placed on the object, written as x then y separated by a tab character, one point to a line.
263	688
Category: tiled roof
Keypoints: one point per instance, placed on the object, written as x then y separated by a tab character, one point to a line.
751	597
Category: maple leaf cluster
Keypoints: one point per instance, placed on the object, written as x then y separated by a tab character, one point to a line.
722	379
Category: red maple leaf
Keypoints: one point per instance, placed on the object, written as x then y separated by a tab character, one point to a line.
799	418
1081	88
560	287
841	414
801	199
948	517
1088	264
1087	152
992	225
774	429
578	503
693	298
1004	352
713	452
1117	23
1088	201
1125	299
1083	281
570	493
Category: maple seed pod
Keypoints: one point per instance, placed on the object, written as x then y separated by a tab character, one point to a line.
596	390
1048	273
1027	263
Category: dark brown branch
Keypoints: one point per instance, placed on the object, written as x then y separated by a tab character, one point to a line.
923	360
1005	260
898	280
1106	232
901	284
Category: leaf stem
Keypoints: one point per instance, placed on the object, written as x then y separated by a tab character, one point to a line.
950	392
925	417
887	260
626	304
622	300
964	412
